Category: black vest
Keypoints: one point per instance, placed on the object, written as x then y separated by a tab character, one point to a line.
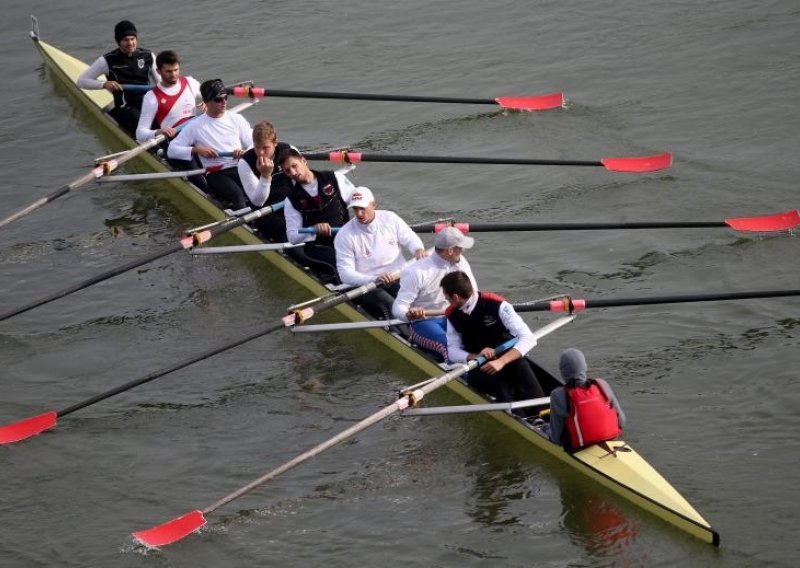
483	327
280	184
129	69
327	207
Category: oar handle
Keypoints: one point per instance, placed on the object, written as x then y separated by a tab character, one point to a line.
314	231
131	88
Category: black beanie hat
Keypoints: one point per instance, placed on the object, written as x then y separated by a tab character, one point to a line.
124	28
211	89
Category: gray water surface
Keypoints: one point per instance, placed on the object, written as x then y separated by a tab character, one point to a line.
711	390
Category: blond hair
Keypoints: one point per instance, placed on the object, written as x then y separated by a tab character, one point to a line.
264	131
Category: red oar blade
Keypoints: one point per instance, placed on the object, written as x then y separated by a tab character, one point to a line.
27	428
766	223
171	531
639	163
541	102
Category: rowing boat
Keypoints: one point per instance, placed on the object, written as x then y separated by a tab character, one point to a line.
615	465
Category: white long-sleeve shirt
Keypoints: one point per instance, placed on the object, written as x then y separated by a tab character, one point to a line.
227	133
294	220
511	320
419	284
89	78
365	251
186	105
256	187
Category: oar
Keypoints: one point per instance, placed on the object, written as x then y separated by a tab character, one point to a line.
470	408
159	175
568	304
100	170
631	164
188	242
131	88
28	427
536	102
181	527
760	224
347	326
228	249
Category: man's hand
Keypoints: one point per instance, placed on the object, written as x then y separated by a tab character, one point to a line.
112	87
493	367
205	151
323	229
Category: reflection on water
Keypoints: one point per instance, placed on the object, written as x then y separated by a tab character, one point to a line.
596	524
496	487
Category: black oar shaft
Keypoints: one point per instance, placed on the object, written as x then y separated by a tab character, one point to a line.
207	234
323	304
652	300
64	189
510	227
91	281
176	367
376	97
458	160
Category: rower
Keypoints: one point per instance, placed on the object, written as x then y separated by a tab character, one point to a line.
368	248
476	321
209	135
316	199
263	180
583	411
173	101
127	64
420	295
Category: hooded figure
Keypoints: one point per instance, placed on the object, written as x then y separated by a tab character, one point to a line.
604	414
572	366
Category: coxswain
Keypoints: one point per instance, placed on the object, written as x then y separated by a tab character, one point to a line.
583	411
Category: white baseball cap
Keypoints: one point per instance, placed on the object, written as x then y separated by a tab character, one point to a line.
450	237
361	197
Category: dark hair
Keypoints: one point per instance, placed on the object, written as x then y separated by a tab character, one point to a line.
288	153
457	283
167	57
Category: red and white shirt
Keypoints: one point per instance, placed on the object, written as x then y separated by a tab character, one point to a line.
167	107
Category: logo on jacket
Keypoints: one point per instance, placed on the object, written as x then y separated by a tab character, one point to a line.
489	321
328	190
140	63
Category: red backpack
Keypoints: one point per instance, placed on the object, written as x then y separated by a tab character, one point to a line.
591	418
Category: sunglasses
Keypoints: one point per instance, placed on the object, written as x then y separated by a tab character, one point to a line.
220	99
